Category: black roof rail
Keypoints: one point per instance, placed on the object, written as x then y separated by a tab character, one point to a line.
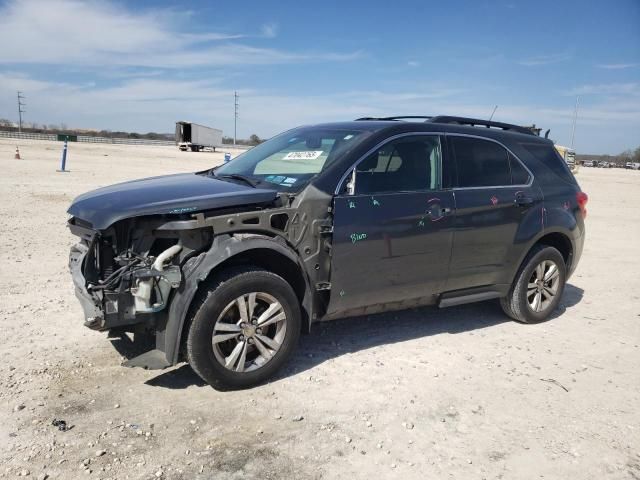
399	117
484	123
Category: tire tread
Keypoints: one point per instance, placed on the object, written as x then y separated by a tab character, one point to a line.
513	304
207	292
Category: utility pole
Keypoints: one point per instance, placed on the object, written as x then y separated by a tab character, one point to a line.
20	110
235	116
575	117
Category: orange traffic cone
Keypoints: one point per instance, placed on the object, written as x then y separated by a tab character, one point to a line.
17	155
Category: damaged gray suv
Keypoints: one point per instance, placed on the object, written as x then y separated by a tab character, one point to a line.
224	268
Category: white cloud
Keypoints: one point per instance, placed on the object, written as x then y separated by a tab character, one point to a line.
606	124
544	59
90	33
269	30
155	103
618	66
607	89
413	63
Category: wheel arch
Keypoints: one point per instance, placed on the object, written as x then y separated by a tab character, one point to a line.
558	238
228	251
560	242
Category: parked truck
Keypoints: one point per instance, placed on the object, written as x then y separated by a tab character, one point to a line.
569	156
194	137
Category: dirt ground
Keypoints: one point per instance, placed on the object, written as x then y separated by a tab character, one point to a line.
456	393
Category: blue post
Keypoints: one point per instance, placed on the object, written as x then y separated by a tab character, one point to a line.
63	160
227	157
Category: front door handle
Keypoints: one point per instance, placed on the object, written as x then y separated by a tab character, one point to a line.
436	212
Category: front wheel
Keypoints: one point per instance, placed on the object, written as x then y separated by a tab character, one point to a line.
538	286
243	328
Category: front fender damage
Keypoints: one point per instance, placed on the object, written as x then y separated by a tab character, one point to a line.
304	238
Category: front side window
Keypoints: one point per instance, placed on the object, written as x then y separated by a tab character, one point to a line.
291	159
407	164
480	163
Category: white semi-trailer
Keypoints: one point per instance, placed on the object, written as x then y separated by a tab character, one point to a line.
194	137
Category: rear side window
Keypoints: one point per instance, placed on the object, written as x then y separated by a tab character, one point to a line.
549	156
480	163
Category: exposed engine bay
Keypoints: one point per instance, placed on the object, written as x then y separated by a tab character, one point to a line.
129	273
131	268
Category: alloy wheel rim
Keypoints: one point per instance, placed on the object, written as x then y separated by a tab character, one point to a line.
543	285
249	332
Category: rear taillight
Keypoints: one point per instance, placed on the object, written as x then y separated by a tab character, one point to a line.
582	199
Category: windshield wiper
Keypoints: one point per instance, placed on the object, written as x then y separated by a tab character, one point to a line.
237	176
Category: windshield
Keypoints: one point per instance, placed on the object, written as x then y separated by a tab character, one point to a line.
292	158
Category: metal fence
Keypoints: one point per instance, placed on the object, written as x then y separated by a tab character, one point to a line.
115	141
86	139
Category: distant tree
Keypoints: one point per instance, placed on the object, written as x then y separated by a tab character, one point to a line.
254	140
636	155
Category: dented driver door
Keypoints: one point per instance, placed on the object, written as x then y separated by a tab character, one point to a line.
391	249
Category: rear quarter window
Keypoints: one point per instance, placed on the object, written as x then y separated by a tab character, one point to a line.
519	176
549	156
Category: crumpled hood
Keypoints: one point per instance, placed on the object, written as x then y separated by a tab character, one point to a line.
181	193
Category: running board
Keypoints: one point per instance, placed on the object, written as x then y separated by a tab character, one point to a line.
451	301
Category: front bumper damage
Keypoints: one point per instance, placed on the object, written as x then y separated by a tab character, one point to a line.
143	291
91	302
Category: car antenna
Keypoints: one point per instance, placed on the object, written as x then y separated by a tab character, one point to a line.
494	111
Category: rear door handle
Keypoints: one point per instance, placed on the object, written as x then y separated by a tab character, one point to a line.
524	201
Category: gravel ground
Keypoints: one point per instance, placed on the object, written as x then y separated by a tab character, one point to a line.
427	393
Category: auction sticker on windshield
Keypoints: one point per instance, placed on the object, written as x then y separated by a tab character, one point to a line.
312	155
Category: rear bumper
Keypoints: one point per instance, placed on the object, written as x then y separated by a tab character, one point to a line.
577	254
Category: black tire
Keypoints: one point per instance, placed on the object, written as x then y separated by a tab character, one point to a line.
208	306
516	304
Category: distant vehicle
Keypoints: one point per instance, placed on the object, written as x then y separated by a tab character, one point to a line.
633	165
589	163
225	267
194	137
603	164
569	156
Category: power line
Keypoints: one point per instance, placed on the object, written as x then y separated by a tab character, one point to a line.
20	110
236	98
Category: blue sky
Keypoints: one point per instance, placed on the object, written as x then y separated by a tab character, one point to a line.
143	65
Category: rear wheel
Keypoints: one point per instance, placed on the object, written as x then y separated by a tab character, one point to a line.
538	286
243	328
